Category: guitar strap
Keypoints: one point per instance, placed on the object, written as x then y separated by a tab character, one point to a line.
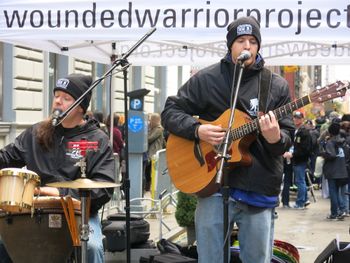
264	89
198	152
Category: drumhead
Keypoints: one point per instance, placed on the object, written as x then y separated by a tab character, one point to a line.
52	202
21	172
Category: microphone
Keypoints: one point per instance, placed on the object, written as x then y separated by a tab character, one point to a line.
56	116
245	54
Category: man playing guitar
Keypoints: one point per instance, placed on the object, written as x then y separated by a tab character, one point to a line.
254	188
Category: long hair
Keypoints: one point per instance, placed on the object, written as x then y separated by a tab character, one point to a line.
116	118
45	134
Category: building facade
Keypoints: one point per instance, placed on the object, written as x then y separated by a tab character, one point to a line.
28	76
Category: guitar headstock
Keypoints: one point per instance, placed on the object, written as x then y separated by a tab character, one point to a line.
334	90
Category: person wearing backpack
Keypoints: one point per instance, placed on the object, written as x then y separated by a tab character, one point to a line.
335	171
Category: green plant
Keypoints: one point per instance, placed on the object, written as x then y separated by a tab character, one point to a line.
185	208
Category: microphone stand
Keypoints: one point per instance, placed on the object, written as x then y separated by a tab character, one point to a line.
122	61
125	64
224	166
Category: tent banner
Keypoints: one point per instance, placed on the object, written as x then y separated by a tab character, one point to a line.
186	31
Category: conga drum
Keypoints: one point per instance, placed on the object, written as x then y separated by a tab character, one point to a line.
17	189
43	236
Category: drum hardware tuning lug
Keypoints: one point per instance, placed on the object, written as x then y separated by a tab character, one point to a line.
83	147
82	164
38	216
32	210
85	229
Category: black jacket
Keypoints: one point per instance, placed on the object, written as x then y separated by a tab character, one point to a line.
58	164
207	95
302	145
335	160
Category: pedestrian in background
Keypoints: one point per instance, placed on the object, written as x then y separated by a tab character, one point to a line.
156	142
335	171
301	155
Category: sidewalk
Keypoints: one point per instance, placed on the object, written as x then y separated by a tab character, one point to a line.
170	228
308	230
166	228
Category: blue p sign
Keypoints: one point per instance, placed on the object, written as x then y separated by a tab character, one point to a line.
136	104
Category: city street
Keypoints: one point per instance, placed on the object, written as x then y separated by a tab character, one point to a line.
308	230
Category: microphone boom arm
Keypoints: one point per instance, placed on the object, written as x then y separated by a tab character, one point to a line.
122	61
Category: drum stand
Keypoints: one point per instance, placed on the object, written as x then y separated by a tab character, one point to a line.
85	229
84	185
84	197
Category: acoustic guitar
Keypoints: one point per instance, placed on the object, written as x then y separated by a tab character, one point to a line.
193	166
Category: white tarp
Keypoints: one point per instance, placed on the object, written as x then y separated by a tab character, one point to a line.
187	32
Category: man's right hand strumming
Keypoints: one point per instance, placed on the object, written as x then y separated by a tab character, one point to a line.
213	134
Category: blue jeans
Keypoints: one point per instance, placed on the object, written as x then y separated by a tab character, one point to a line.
299	177
95	245
287	182
337	197
255	226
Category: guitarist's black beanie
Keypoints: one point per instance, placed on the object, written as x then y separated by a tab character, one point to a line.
243	26
334	127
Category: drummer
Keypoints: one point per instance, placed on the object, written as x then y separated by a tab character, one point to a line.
42	148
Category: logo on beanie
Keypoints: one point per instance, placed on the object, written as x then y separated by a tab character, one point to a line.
244	29
62	83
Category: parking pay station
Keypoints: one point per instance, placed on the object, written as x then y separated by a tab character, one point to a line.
137	140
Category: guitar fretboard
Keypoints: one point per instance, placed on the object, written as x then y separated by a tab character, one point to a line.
280	112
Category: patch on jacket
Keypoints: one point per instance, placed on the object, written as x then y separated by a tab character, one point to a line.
75	154
254	107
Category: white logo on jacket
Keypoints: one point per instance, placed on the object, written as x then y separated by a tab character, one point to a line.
75	154
341	153
254	107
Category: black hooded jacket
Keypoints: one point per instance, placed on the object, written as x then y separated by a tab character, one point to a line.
302	145
207	95
335	158
58	164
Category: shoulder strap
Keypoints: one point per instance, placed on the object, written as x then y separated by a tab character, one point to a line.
264	89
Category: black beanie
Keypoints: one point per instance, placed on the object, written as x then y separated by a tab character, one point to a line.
243	26
346	117
75	85
334	127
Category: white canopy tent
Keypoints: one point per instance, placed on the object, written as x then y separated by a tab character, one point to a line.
188	33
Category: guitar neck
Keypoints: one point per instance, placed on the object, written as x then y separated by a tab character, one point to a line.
280	112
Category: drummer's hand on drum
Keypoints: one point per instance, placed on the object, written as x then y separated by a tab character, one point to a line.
46	191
